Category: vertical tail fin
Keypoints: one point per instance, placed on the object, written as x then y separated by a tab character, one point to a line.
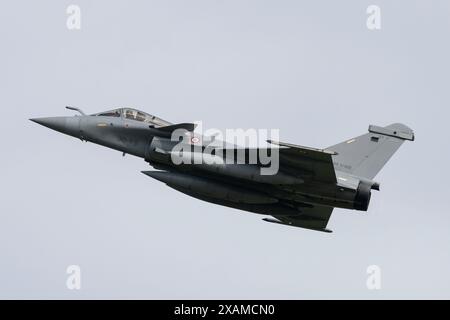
365	155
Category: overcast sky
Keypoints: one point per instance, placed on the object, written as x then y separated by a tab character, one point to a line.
309	68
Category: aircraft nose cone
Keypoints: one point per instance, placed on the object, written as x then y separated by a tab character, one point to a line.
55	123
67	125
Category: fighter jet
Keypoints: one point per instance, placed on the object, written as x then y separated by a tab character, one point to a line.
308	185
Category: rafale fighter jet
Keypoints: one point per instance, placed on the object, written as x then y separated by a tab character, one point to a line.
308	185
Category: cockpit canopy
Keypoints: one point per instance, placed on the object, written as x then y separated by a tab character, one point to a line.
133	114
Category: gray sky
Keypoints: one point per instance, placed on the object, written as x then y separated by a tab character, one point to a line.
311	69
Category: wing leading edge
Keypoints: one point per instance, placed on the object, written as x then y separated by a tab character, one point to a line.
317	162
312	164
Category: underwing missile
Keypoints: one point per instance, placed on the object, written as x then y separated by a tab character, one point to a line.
210	188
